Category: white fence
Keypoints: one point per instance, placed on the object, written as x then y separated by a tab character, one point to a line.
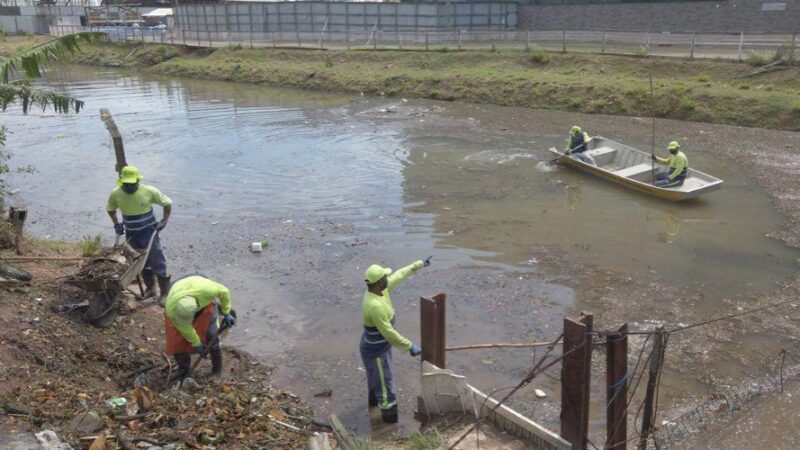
736	46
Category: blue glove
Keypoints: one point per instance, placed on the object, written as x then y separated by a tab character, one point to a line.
229	320
119	229
415	351
200	349
161	225
427	261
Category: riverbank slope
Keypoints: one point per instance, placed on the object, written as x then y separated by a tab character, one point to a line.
699	91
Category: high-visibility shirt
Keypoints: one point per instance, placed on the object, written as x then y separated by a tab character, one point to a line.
140	202
577	142
377	310
677	164
204	291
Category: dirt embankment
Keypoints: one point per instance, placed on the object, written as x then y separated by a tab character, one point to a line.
700	91
58	373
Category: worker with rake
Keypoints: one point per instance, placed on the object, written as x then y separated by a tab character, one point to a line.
135	201
193	309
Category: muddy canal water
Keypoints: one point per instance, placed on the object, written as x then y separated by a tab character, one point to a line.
334	183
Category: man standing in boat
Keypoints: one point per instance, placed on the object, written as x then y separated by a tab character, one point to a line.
577	144
136	200
677	167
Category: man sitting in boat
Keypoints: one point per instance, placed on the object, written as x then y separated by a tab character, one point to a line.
577	144
677	167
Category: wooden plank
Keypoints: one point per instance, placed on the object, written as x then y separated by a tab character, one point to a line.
586	352
111	126
432	329
572	384
617	389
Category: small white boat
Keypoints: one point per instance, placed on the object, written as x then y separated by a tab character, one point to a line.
633	168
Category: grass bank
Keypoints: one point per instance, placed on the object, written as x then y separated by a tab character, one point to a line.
701	91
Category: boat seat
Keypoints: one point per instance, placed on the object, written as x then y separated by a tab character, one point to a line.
602	155
634	171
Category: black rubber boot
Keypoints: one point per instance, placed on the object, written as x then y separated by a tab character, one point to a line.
372	400
163	289
389	415
149	285
184	361
216	362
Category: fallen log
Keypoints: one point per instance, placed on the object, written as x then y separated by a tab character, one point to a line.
9	271
500	345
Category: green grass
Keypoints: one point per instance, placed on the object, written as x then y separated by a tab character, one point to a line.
429	440
89	246
705	91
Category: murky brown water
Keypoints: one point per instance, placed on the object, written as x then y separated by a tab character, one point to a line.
318	175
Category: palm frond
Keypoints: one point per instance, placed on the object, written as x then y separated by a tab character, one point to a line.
29	97
32	61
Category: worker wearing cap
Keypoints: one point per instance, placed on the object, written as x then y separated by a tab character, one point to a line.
677	167
577	144
193	307
135	200
380	335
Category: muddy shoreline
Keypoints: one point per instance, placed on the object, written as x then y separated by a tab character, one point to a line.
307	283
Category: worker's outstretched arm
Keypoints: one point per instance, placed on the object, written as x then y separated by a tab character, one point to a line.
401	274
661	160
383	323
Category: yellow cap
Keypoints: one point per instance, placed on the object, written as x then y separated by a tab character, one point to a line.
129	175
375	273
186	309
673	145
575	129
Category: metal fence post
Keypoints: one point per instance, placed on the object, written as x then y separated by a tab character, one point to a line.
694	39
741	43
617	389
374	39
647	46
603	49
493	38
576	373
433	326
564	41
347	37
458	39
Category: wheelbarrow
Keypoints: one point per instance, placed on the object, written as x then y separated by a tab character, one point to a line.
107	289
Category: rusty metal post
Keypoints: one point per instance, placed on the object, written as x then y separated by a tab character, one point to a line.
617	389
111	126
654	371
432	329
575	376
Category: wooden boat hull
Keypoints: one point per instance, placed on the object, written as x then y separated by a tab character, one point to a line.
698	183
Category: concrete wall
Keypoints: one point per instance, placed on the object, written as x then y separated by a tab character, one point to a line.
709	16
310	16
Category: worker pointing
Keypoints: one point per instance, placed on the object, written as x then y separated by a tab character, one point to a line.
135	201
380	335
193	319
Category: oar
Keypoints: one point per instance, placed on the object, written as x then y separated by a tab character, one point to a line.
563	155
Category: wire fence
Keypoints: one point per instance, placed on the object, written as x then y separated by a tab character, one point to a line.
735	46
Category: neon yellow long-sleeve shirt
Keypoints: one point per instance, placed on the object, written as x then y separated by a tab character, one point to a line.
204	291
676	163
377	310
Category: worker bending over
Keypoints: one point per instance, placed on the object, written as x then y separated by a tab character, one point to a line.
380	335
193	308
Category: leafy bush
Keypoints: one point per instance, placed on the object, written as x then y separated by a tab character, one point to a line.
539	57
756	60
90	245
703	78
